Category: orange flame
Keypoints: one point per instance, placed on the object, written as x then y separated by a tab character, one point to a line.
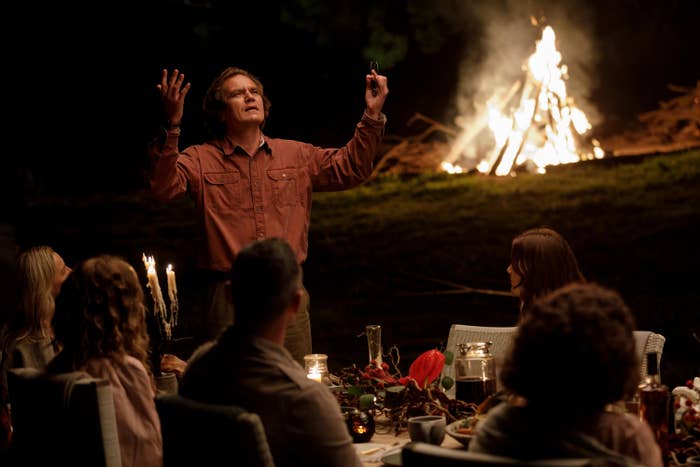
544	128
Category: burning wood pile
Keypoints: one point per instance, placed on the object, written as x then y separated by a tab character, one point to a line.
674	126
535	124
529	126
420	153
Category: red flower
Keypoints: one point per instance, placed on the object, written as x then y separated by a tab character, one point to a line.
427	367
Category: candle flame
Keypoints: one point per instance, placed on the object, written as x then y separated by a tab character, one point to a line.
314	374
168	321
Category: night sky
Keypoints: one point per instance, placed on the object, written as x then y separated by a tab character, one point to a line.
83	94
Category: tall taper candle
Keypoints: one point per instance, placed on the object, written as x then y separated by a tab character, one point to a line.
172	294
158	303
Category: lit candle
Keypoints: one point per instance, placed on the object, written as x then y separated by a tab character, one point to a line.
152	276
159	308
172	294
314	374
172	286
316	366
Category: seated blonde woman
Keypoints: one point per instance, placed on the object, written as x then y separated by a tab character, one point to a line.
28	338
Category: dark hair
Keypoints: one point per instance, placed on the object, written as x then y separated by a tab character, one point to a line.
575	349
215	101
264	279
100	313
545	261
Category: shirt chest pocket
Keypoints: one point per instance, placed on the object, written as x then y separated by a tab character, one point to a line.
222	190
284	186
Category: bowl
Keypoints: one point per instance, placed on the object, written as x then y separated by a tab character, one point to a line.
465	423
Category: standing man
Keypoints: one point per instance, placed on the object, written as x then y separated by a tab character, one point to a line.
248	186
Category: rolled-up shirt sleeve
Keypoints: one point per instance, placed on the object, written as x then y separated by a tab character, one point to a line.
334	169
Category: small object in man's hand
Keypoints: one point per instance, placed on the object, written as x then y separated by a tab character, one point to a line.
373	65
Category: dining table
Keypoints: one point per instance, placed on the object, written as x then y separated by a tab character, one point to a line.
386	444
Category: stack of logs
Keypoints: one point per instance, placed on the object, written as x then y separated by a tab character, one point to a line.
419	153
674	126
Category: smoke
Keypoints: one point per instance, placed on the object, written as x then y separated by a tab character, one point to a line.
508	38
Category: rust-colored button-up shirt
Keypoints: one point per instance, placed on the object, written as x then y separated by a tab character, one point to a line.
241	198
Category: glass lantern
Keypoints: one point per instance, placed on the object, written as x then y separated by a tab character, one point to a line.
316	367
475	372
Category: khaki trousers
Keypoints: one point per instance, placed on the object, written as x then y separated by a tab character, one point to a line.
218	314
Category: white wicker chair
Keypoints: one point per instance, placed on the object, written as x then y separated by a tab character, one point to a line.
501	337
647	342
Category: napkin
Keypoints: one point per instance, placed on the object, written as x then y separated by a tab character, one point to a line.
373	452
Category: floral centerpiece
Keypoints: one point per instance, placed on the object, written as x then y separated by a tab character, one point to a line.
685	442
382	388
687	407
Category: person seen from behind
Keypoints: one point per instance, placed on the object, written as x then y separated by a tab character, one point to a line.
248	365
574	354
100	321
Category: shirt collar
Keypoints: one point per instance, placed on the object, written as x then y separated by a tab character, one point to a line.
228	148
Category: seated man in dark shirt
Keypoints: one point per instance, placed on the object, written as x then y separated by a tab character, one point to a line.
249	366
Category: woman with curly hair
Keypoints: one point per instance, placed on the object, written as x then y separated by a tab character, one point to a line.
100	320
573	354
541	261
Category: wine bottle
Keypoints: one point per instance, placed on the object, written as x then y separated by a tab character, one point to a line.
654	403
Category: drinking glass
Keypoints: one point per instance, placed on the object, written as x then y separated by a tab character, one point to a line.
374	343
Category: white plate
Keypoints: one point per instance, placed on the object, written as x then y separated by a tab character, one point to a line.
368	448
451	430
392	457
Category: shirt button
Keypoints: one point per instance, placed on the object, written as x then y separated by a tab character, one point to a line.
284	175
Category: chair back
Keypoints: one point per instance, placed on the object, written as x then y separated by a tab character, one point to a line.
647	342
197	433
501	337
417	454
62	419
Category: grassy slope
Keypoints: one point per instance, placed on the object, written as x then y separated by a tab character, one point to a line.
632	223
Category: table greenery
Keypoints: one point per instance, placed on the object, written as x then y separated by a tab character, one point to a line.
685	442
381	389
